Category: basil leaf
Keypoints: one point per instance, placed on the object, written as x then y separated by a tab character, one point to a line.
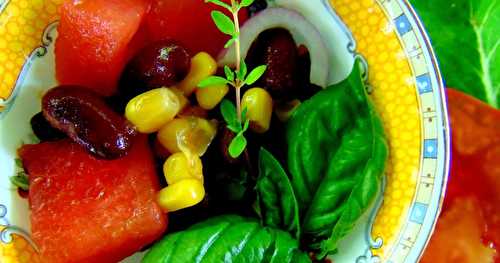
466	37
275	196
227	238
336	156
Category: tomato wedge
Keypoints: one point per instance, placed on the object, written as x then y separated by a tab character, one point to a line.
475	180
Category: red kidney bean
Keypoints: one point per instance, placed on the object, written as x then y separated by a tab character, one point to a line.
160	64
43	130
276	49
84	117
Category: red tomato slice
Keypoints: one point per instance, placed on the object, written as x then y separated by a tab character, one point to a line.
457	237
475	177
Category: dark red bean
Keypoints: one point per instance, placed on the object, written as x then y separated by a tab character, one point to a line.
43	130
276	49
160	64
305	89
84	117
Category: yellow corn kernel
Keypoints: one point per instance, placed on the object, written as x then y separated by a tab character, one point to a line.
187	134
284	111
180	166
202	66
183	194
183	101
260	108
209	97
151	110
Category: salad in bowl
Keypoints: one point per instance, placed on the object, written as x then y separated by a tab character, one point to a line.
218	131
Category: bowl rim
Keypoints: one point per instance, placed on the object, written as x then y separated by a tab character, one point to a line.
442	104
445	115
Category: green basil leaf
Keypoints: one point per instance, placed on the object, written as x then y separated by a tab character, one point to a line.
466	37
219	3
212	81
229	73
336	157
237	145
255	74
228	111
223	23
275	195
227	238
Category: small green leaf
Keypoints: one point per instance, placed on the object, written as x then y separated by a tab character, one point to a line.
238	145
20	180
228	111
19	163
223	23
230	42
255	74
219	3
212	81
234	127
244	113
242	73
246	125
229	73
245	3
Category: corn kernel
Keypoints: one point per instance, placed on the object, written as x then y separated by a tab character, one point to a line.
211	96
151	110
260	108
183	194
202	66
183	101
180	166
190	134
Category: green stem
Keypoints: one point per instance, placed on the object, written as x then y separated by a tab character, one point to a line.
238	57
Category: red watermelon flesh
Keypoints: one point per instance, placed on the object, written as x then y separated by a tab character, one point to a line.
188	22
89	210
91	49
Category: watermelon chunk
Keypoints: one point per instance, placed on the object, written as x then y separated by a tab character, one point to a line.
188	22
91	49
89	210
